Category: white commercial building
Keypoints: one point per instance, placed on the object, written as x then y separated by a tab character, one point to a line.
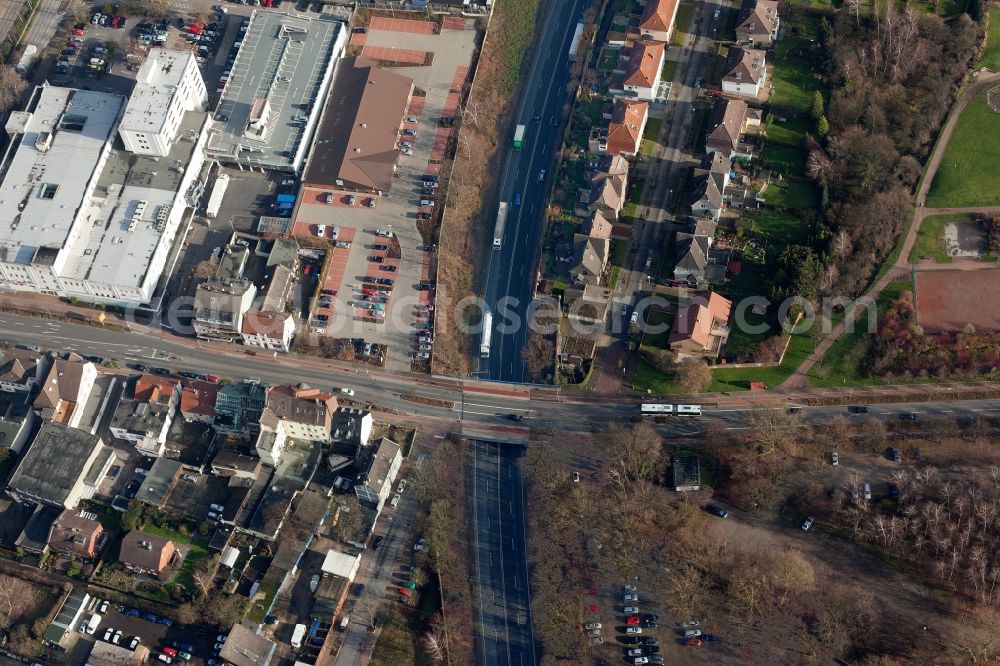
81	218
168	85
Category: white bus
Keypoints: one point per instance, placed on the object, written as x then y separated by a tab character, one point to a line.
484	346
656	409
688	410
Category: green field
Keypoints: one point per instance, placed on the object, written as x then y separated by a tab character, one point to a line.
967	175
930	238
991	54
738	379
669	70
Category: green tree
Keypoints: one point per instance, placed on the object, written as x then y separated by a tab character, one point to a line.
822	127
818	110
132	518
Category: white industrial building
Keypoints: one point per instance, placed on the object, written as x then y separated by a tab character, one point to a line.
82	218
167	85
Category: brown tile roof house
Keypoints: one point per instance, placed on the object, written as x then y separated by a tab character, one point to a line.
644	64
626	127
19	369
590	256
198	401
745	71
758	22
356	147
298	404
78	535
702	328
148	554
68	382
658	19
725	126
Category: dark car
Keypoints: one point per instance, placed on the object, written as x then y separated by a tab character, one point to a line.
423	216
895	455
894	491
650	640
270	619
515	417
132	612
908	416
150	617
385	281
649	624
718	511
916	454
377	542
631	640
99	360
651	617
114	471
711	638
390	269
858	409
380	247
376	259
160	371
189	375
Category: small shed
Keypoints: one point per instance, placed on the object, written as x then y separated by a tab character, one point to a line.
686	473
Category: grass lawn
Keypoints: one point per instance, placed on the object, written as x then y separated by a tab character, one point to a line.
647	379
658	318
196	554
613	280
967	174
991	54
634	197
164	532
742	341
652	130
738	379
669	70
619	251
685	14
930	238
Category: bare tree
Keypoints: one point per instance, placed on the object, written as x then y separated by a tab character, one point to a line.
11	88
693	377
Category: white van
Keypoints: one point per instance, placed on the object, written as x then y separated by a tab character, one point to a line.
93	623
395	500
321	230
344	622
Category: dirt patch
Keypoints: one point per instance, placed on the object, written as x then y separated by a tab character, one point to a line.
993	99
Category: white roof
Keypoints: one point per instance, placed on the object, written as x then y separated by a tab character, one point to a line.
341	564
229	556
42	189
155	85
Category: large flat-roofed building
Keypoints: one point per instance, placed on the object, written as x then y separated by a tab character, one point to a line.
220	306
81	218
270	106
358	140
167	85
63	466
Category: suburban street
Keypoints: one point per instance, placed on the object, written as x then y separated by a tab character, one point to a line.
503	598
510	274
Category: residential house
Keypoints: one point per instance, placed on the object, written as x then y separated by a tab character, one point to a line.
728	121
642	78
147	554
588	304
745	73
17	421
701	329
63	465
245	648
145	411
219	308
609	190
758	22
198	401
376	481
590	256
269	325
628	122
231	463
599	226
296	413
352	426
657	20
65	390
691	258
708	196
78	534
21	370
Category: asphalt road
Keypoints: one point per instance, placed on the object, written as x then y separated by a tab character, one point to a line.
503	598
510	273
470	408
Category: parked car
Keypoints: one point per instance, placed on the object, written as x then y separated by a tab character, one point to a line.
834	458
718	511
807	523
868	491
908	416
633	630
629	596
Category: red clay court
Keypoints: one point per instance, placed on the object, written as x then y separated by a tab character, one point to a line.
392	54
949	300
402	25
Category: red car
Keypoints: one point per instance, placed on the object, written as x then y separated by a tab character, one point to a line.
694	642
170	652
79	33
592	608
632	619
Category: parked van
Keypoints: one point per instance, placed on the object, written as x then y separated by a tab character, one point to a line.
93	623
344	621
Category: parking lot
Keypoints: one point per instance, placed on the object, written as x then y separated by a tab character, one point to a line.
154	635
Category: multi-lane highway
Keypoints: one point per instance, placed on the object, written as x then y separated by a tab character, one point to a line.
502	594
510	273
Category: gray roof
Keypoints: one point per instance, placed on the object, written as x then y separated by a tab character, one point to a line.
284	252
590	253
57	460
159	481
686	471
381	463
245	648
692	252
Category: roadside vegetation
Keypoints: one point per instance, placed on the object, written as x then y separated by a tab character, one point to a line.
467	217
